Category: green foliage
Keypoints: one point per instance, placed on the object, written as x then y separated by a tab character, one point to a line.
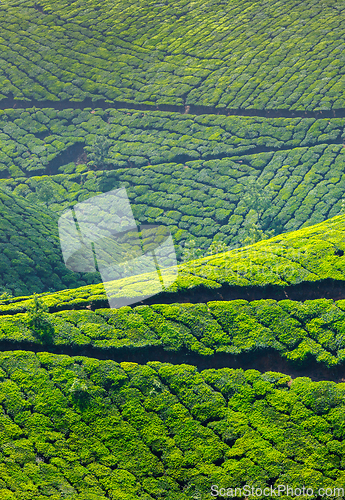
342	207
293	178
217	247
38	319
144	428
298	331
141	62
30	252
256	197
252	233
80	392
98	153
190	251
87	429
307	255
310	254
36	312
45	193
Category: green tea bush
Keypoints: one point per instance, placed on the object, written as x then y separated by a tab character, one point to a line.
308	255
126	141
83	428
178	65
218	188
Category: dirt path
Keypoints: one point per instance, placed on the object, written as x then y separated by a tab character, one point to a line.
263	360
323	289
10	102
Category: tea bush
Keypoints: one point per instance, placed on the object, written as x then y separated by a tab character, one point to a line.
77	427
202	199
30	253
313	255
140	138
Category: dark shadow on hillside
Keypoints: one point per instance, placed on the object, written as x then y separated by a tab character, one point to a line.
71	154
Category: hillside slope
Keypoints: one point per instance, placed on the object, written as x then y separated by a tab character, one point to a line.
297	331
83	428
313	255
272	54
225	122
204	176
30	254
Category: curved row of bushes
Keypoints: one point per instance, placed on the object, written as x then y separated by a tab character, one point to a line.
80	427
235	56
199	199
32	138
297	330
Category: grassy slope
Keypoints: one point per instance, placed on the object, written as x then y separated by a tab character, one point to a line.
239	56
309	254
93	429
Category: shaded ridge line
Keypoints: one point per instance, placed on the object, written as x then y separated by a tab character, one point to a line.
309	290
193	109
262	360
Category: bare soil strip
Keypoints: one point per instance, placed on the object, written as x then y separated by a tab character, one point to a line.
10	102
263	360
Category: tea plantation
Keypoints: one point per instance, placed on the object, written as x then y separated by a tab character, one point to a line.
311	255
33	138
30	253
298	331
191	173
313	329
82	428
225	122
272	54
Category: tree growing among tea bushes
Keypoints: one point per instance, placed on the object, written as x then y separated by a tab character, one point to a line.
257	198
38	319
45	193
98	153
191	251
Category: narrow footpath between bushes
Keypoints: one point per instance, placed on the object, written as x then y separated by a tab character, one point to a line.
10	102
323	289
263	360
